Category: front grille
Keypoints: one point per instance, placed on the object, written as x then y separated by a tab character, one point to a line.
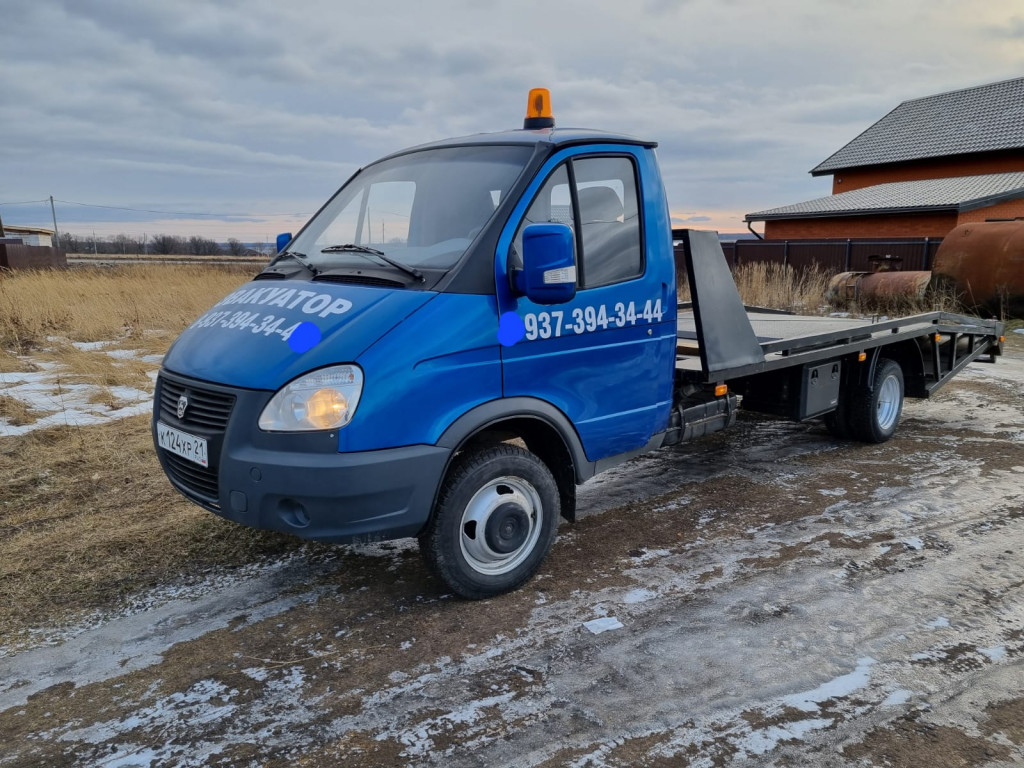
206	408
270	276
206	415
200	480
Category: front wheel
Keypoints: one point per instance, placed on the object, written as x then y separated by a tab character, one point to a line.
874	413
495	521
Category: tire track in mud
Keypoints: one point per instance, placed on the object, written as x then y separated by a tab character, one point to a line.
780	600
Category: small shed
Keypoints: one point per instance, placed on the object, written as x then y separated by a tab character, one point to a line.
30	235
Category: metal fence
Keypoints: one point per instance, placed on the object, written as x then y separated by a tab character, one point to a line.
852	255
31	257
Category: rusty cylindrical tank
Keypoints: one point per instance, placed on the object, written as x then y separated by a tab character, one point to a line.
984	261
850	286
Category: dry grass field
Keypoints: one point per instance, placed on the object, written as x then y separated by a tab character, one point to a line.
135	302
87	518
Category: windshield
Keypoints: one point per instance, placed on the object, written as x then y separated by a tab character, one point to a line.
422	209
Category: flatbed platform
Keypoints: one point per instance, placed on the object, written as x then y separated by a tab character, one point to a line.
776	326
719	340
787	340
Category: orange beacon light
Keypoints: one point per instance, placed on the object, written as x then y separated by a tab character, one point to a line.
538	110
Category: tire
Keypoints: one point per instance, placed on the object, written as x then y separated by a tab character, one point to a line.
875	413
495	521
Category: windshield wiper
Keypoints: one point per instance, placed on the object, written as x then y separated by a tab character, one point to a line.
362	249
296	256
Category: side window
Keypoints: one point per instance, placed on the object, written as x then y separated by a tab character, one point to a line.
553	203
609	220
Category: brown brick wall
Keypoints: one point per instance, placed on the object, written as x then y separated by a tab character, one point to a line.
939	168
1009	209
919	225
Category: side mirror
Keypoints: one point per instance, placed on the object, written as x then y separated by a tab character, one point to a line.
282	241
548	275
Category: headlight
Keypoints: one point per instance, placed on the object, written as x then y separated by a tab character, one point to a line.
324	399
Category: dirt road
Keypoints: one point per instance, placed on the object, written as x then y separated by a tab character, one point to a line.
768	596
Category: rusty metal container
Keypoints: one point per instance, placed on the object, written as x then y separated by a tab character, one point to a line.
877	286
985	263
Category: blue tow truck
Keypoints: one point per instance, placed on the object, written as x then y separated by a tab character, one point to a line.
469	329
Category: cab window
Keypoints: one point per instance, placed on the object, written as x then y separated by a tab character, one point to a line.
598	198
609	220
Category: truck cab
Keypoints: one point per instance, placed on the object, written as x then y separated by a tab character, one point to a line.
465	331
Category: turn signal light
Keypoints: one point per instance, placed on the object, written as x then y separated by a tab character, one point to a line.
721	390
938	337
862	357
538	110
1002	339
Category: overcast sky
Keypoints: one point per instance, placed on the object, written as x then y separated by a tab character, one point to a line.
243	109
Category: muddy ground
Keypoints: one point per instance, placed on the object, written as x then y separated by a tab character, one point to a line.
785	599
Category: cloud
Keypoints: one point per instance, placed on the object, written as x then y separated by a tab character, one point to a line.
268	106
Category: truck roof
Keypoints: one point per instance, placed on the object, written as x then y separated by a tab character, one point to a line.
556	137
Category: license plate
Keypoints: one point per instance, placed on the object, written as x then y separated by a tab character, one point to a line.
182	443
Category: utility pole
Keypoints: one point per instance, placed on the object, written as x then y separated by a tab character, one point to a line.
56	235
2	227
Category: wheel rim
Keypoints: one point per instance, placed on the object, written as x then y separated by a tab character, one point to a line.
888	402
501	525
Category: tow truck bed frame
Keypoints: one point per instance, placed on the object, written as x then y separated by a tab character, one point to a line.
720	341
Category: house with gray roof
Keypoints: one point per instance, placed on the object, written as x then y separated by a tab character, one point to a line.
929	165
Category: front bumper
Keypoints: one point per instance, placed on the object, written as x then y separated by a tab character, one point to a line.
298	482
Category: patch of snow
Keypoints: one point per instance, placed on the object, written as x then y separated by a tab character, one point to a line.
603	624
761	741
897	698
884	492
638	595
913	542
652	554
940	623
87	346
68	404
1019	330
841	686
292	681
996	653
832	492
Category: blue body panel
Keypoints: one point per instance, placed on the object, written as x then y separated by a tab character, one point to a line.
606	358
224	348
429	370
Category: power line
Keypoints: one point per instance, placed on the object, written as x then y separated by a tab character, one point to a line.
28	202
172	213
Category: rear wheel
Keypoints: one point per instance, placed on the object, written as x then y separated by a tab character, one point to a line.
875	413
495	521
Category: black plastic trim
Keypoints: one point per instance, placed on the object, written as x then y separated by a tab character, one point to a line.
495	411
